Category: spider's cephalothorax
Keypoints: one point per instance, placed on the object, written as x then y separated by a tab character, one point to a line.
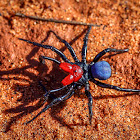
80	73
76	73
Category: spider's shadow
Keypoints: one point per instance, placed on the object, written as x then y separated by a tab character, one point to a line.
27	95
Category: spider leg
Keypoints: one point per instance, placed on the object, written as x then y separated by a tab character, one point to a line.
46	95
84	49
69	96
50	95
99	55
66	44
54	102
113	87
48	47
49	58
90	101
71	92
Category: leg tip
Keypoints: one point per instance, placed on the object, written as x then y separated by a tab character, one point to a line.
126	50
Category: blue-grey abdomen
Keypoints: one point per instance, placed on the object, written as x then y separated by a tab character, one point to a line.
101	70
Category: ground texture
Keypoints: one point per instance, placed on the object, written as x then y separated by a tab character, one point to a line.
116	114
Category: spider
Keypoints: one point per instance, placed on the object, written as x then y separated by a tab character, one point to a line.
80	73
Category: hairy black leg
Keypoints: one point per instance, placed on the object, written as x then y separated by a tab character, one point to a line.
47	93
49	58
66	44
51	91
113	87
54	102
84	49
69	96
90	101
99	55
48	47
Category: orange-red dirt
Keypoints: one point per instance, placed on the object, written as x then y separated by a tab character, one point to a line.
116	114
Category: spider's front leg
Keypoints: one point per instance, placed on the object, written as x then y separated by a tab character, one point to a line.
47	93
48	47
41	58
56	101
66	44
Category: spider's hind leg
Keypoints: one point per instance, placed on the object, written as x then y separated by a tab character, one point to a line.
99	55
84	49
90	101
113	87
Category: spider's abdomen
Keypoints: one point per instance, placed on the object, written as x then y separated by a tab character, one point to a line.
101	70
75	71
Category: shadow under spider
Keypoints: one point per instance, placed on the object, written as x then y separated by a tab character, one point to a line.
28	96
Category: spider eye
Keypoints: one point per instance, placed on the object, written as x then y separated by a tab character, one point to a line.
101	70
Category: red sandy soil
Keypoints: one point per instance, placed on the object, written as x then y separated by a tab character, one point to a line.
116	114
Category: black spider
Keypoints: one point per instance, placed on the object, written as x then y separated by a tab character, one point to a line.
80	73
